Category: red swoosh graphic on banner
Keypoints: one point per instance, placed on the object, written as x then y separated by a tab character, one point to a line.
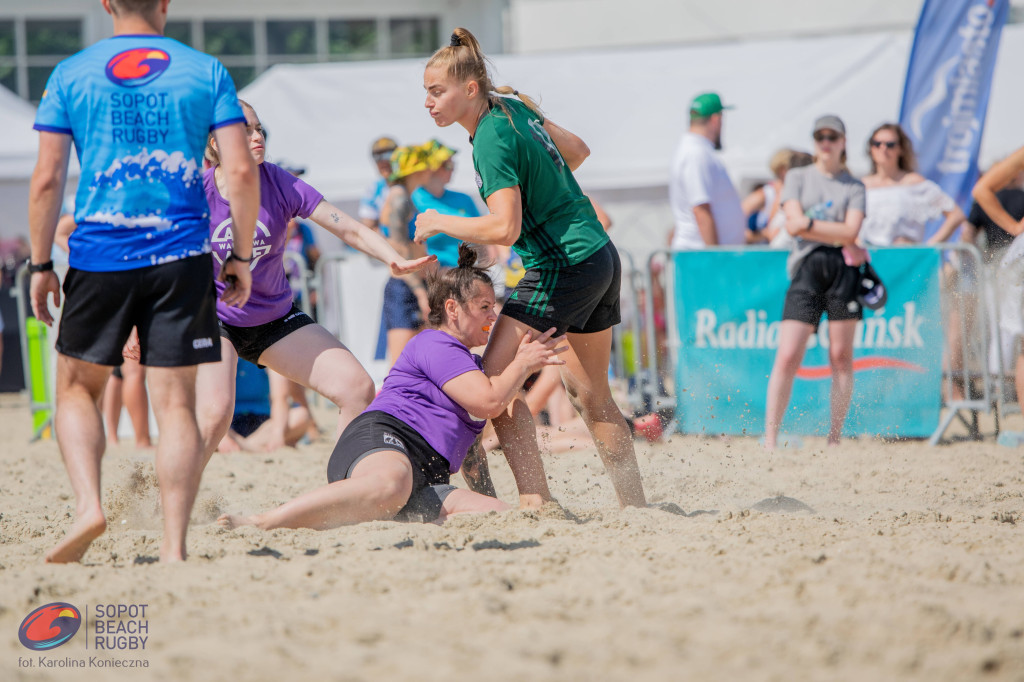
859	365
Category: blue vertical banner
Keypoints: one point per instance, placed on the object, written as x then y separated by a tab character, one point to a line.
728	306
945	96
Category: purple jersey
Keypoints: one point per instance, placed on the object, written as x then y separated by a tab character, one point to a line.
412	392
282	197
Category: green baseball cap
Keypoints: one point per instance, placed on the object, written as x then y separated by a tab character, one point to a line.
707	104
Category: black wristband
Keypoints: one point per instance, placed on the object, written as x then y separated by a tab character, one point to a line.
232	256
810	224
41	267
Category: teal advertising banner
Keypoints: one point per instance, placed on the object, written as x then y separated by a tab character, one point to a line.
728	310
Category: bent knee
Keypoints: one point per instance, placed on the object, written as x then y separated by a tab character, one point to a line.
354	392
391	492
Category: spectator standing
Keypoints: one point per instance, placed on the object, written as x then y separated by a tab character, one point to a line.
901	201
1010	273
372	203
766	219
824	208
704	201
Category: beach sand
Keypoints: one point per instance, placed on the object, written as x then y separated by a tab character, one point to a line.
910	566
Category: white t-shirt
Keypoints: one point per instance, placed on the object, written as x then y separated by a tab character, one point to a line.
698	177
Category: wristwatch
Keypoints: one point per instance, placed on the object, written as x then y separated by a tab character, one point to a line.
33	268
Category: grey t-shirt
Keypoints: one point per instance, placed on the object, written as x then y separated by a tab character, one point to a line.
822	198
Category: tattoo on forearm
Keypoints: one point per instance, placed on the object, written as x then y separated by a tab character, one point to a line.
335	217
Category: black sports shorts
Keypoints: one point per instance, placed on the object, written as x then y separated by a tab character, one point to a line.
823	283
174	305
579	299
246	423
375	431
250	342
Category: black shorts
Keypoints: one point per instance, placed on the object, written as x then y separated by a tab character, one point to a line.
246	423
250	342
174	306
823	283
579	299
375	431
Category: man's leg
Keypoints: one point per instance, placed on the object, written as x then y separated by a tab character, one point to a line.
179	452
79	427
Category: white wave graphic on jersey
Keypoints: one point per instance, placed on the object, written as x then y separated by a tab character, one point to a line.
157	164
121	220
222	236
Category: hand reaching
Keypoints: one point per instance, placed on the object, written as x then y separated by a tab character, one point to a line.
406	267
542	351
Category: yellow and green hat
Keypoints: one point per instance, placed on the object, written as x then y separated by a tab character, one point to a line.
408	160
437	153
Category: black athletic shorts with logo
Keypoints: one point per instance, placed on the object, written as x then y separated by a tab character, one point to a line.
579	299
174	305
250	342
823	283
375	431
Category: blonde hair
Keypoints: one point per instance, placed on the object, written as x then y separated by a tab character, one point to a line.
210	153
464	61
786	159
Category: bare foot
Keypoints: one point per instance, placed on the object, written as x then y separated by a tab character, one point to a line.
230	521
171	557
531	501
83	531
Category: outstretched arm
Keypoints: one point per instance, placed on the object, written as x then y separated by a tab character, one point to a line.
362	238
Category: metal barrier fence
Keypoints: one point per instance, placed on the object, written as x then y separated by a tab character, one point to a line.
973	366
628	338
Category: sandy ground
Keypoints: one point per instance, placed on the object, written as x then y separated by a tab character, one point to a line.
910	566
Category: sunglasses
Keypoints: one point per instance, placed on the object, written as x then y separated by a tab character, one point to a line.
826	137
877	144
382	156
448	166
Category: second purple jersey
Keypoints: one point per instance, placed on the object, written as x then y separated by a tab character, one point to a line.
282	197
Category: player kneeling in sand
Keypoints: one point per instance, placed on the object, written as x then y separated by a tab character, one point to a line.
394	460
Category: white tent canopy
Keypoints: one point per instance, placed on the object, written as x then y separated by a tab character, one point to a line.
629	105
18	141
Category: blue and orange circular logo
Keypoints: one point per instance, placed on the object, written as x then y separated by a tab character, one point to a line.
137	66
50	626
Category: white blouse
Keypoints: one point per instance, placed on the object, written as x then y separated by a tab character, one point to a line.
901	211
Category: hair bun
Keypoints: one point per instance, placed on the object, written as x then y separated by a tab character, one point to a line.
456	41
467	256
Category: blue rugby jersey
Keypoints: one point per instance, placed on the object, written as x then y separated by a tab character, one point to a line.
139	108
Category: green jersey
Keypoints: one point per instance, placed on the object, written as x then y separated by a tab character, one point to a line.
560	226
